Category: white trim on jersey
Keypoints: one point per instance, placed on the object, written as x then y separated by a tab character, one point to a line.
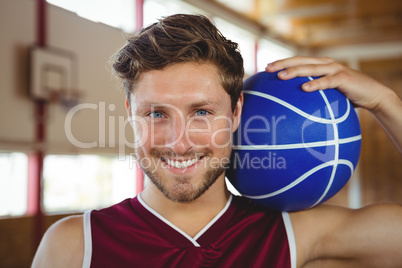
87	240
214	219
191	239
291	239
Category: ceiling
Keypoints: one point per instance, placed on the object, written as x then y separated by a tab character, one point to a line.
322	23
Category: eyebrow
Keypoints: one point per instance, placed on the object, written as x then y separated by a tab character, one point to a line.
197	104
203	103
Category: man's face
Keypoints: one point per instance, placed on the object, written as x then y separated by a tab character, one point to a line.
183	125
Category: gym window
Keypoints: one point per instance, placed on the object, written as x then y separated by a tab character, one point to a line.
80	182
13	183
116	13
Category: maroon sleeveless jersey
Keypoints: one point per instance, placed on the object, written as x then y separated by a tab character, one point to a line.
131	234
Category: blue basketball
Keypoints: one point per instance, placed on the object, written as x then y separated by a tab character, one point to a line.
293	150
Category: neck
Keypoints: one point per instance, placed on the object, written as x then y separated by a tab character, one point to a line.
193	216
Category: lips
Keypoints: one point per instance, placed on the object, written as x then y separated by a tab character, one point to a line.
181	164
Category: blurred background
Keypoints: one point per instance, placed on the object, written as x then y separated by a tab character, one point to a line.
65	142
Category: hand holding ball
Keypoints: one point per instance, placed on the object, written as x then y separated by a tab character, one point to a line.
293	150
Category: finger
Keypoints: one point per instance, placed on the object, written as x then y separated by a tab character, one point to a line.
322	83
311	70
296	61
330	81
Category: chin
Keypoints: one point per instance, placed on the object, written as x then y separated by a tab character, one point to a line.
182	189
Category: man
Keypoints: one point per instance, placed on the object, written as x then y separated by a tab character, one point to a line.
183	82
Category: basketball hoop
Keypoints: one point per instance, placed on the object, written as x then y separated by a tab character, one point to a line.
67	98
53	76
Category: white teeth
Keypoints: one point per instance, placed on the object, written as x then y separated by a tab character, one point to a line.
181	165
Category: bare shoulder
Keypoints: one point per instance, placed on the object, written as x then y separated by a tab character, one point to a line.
333	236
62	245
310	227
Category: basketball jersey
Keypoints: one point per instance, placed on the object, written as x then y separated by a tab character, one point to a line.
131	234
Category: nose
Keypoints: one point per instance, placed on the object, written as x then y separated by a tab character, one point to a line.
176	138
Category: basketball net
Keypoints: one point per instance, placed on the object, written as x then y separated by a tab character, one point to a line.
66	98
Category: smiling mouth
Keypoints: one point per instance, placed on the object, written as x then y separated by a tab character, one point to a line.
181	164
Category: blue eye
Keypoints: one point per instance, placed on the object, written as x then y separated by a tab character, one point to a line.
156	114
201	113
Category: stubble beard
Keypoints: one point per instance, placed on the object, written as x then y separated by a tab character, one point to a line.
183	191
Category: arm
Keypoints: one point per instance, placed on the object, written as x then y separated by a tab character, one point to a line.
360	89
62	245
330	236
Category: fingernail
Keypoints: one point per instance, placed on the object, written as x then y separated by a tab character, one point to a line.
306	86
283	73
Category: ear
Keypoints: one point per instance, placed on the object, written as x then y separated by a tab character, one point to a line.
237	112
128	109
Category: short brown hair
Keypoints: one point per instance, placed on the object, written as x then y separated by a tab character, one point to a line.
176	39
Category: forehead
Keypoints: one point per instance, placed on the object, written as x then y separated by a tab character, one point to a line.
180	82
